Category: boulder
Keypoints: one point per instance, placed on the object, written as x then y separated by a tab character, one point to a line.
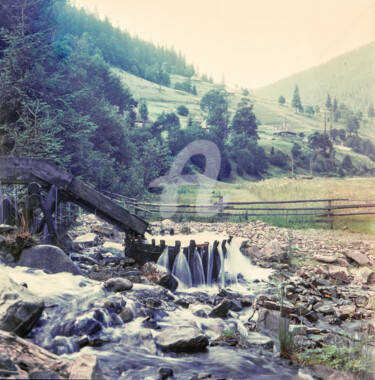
325	259
7	367
5	229
159	276
221	310
339	274
260	340
49	258
115	248
356	256
324	309
32	358
127	314
86	367
269	320
118	284
182	339
365	276
346	311
20	309
89	239
253	252
272	250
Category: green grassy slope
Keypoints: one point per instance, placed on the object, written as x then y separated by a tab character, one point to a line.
268	111
350	77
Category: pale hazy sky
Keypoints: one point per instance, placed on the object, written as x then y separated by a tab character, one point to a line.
250	42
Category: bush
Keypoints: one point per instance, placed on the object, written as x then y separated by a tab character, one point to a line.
279	159
182	110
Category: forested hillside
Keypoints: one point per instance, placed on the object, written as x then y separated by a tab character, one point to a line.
64	94
120	49
350	78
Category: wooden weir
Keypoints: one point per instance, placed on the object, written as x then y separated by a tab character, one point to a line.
42	174
143	252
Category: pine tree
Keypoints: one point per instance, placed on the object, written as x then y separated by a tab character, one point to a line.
296	101
143	110
334	107
371	112
329	102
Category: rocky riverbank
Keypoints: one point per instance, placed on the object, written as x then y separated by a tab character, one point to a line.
312	291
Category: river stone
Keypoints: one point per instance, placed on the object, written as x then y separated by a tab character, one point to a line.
86	367
365	276
31	357
118	284
89	239
346	311
115	248
159	276
324	309
269	320
20	309
7	366
257	339
222	309
356	256
325	259
49	258
182	339
272	250
5	229
340	274
127	314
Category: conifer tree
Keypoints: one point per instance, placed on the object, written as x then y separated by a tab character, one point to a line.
296	101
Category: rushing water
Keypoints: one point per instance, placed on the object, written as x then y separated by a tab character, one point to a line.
181	270
128	350
78	308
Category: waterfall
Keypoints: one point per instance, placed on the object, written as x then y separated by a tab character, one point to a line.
197	270
181	270
164	259
222	268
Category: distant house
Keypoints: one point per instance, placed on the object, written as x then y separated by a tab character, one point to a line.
194	78
204	124
230	92
284	130
138	122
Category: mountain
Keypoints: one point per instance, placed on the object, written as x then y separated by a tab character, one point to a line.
349	77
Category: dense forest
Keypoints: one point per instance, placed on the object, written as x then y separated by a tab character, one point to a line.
59	99
119	49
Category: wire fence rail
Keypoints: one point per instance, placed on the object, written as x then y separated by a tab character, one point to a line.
319	210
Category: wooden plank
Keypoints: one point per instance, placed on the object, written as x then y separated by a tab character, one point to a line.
105	207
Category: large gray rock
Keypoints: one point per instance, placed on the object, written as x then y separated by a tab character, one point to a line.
365	276
159	276
339	274
19	308
86	367
272	251
260	340
182	339
356	256
270	320
118	284
49	258
221	310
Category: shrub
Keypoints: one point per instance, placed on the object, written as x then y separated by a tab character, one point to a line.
182	110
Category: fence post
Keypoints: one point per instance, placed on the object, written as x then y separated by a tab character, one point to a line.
220	204
329	215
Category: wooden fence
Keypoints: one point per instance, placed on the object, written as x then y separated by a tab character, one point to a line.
319	210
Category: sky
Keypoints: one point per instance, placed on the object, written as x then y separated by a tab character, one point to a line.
249	43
